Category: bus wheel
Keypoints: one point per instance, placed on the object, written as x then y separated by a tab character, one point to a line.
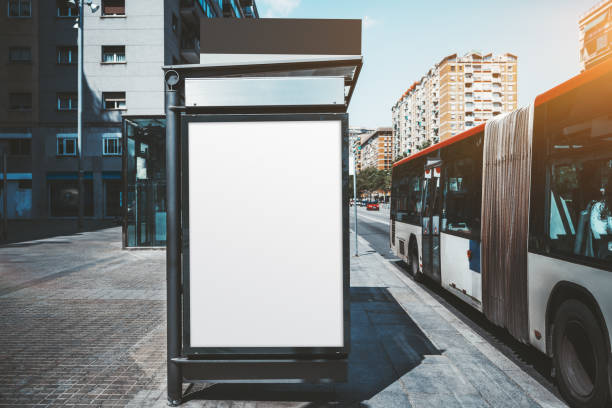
414	264
579	356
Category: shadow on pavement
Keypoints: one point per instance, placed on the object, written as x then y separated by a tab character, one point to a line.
29	230
385	345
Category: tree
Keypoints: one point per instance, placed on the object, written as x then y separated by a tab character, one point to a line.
425	144
371	179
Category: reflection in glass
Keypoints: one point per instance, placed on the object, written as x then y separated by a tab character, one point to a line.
145	169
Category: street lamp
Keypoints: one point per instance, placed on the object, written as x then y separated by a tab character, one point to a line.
79	4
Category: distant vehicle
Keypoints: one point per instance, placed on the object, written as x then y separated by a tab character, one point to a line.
515	218
372	207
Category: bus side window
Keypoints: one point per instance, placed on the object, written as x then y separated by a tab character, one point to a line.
461	211
580	215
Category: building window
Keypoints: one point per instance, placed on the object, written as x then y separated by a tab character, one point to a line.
113	7
20	8
64	196
111	145
67	55
20	101
20	147
114	100
66	144
113	54
65	10
20	54
67	101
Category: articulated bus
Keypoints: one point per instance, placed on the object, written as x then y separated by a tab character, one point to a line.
514	217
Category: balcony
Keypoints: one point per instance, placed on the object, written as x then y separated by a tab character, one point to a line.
495	69
468	70
469	78
190	49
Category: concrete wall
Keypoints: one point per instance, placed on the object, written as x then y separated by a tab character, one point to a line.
141	31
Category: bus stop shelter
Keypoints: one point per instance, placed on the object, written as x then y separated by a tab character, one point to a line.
258	271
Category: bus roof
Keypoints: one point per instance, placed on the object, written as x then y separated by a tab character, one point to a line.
572	83
443	143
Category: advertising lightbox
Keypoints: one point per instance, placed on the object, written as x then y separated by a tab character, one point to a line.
265	234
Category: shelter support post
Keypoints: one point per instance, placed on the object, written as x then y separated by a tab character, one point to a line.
173	257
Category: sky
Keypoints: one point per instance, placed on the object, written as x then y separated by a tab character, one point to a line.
403	39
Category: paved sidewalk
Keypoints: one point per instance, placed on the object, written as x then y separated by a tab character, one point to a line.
83	323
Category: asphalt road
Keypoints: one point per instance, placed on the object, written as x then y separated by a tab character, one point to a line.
373	226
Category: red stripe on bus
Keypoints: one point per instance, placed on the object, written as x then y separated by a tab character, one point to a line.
587	76
449	141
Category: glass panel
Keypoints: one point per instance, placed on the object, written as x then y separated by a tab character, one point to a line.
70	146
146	182
20	54
113	7
460	193
580	219
13	8
25	8
64	197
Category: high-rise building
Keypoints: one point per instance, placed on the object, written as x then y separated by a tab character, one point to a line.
125	45
377	149
596	34
355	135
456	94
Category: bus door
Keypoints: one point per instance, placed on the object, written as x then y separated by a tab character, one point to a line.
432	200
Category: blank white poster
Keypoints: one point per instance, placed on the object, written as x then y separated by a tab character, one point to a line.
265	234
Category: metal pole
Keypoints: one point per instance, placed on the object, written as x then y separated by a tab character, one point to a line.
80	115
5	195
173	259
355	200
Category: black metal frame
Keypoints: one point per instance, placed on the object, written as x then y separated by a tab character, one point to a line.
259	352
246	70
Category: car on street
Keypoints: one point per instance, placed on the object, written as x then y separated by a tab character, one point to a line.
372	207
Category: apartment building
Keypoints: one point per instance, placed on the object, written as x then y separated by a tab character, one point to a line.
126	42
377	149
596	34
456	94
355	135
19	32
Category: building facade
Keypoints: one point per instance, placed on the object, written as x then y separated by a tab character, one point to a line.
377	149
456	94
355	135
595	30
126	42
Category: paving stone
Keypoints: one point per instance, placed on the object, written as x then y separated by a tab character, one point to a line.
82	322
